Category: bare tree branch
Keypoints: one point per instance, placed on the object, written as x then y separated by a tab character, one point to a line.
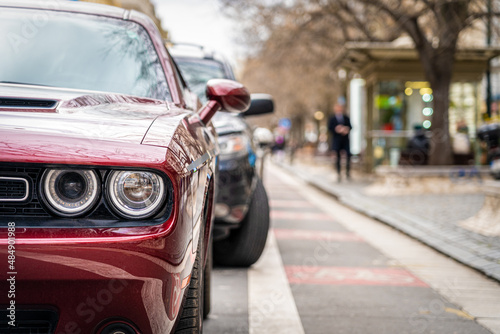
304	43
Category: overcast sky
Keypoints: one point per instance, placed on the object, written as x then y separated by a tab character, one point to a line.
199	22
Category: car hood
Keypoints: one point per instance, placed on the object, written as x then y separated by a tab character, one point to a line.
76	114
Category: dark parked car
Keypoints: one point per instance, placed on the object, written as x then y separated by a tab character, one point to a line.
242	209
490	135
107	171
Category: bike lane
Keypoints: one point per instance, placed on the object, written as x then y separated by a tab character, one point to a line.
342	284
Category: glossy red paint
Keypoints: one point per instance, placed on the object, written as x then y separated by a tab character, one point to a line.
91	276
89	284
59	260
148	261
208	111
232	95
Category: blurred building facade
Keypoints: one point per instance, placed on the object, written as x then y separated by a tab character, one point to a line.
397	99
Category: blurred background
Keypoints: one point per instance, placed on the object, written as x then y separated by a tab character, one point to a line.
397	66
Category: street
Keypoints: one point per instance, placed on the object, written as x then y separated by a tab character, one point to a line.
328	269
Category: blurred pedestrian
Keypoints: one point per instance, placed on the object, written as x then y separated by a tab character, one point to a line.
461	142
278	149
340	125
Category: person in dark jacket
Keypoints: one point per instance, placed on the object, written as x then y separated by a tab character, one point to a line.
340	125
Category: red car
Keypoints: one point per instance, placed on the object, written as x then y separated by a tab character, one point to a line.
107	167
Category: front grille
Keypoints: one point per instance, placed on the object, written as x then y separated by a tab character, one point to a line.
31	208
30	322
13	189
26	103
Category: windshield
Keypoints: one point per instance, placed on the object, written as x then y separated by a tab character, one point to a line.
197	72
79	51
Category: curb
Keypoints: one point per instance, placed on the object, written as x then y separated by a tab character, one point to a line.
455	242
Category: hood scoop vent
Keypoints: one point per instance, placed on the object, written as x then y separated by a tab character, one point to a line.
7	102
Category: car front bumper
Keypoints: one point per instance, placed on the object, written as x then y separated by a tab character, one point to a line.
87	283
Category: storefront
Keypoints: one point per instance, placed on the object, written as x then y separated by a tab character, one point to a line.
399	101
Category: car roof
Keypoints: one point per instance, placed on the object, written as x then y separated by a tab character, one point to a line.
69	6
190	51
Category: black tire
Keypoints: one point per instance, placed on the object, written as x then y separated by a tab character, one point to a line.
207	282
191	317
244	245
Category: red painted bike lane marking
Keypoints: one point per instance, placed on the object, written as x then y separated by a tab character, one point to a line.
352	276
293	234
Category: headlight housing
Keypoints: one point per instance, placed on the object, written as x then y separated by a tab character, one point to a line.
135	194
70	192
233	144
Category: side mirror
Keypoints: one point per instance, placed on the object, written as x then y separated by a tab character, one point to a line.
226	94
261	104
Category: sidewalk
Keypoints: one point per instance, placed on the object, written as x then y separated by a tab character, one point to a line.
434	219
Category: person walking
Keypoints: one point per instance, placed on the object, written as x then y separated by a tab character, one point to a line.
340	125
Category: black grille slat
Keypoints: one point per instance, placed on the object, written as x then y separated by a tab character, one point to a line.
31	209
12	189
8	211
27	103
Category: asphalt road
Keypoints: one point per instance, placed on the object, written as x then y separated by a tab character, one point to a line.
327	269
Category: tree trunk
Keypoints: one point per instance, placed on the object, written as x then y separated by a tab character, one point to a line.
440	150
438	62
438	69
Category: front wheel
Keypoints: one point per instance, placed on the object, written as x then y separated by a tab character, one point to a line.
245	245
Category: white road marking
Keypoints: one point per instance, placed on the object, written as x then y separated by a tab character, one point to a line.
272	309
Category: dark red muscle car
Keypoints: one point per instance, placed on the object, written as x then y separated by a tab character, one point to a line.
107	166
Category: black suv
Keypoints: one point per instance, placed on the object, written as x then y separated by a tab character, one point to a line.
242	209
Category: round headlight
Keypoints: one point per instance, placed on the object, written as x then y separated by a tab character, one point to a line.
135	194
70	192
